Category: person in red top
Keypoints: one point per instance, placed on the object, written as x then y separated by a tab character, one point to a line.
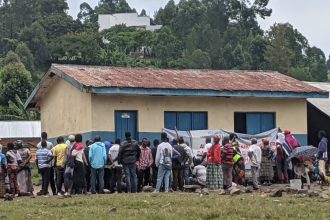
214	176
227	155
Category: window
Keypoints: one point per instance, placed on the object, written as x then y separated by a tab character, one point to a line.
185	121
254	122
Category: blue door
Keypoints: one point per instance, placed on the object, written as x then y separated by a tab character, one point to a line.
126	121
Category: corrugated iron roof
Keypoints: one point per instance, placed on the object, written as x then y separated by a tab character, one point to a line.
322	104
150	81
20	129
219	80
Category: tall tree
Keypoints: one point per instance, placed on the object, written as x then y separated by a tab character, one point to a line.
15	80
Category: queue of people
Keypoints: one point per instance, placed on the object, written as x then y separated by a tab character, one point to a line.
128	166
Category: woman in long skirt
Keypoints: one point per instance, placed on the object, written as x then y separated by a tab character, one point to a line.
266	167
214	176
24	171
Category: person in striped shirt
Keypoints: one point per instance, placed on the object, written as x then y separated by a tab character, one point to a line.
227	155
43	158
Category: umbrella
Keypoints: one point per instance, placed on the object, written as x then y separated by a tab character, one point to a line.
304	151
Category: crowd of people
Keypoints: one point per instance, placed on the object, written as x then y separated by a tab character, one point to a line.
129	166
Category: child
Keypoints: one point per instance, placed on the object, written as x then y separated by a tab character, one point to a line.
43	158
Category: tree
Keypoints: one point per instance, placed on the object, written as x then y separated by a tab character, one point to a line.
143	13
165	16
16	111
317	64
165	46
78	48
278	54
15	80
25	56
198	60
35	37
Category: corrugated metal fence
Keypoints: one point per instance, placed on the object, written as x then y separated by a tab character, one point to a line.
20	129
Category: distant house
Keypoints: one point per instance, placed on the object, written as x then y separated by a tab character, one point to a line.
318	111
108	101
128	19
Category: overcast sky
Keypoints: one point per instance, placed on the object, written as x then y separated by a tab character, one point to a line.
310	17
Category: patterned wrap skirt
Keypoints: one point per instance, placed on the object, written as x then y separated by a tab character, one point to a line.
214	176
266	169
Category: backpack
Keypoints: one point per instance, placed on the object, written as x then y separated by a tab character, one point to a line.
167	159
292	141
71	159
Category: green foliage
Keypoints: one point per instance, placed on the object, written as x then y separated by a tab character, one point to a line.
198	34
25	56
15	80
35	37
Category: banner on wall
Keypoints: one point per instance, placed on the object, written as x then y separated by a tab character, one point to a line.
197	138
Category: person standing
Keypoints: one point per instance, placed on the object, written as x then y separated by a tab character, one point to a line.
117	169
189	162
97	158
3	172
266	168
129	153
44	137
88	167
290	139
80	162
207	146
227	155
214	175
254	153
164	163
14	159
107	166
143	165
323	153
59	152
280	160
43	158
178	166
24	179
154	167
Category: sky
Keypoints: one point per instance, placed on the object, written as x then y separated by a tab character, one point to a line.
310	17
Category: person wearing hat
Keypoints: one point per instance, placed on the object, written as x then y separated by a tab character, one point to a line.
290	139
214	175
24	171
255	155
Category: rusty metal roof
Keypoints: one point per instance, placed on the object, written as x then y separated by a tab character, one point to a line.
100	76
151	81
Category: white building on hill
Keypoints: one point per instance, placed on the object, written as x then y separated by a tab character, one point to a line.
128	19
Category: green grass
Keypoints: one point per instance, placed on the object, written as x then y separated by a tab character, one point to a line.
166	206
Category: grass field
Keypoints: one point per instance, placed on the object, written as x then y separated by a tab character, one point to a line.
166	206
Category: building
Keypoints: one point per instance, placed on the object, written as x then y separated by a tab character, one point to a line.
128	19
109	101
318	111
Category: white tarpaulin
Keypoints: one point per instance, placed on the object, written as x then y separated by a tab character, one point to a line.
197	138
20	129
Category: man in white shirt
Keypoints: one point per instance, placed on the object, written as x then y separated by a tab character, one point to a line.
117	168
164	163
255	161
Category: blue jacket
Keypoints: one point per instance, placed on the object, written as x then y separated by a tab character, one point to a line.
323	147
97	155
